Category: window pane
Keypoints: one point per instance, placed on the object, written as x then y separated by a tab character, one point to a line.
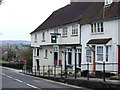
102	27
99	53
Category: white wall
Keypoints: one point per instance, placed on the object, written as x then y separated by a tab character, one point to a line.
110	31
60	40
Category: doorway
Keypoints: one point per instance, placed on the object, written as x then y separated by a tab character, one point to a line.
55	58
37	60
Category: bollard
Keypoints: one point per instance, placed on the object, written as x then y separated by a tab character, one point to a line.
43	70
39	70
35	70
61	71
54	71
88	71
48	70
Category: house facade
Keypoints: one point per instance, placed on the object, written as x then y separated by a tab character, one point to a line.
73	36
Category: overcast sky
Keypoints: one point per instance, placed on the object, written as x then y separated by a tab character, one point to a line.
20	17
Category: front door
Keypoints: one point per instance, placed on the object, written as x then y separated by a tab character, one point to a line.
37	60
119	59
79	59
55	58
69	58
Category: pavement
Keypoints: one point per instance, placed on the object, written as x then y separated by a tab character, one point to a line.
13	80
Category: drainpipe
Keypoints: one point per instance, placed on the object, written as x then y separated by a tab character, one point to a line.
80	34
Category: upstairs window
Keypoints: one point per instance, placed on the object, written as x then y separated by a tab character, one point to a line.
55	30
75	29
35	39
97	27
64	32
43	37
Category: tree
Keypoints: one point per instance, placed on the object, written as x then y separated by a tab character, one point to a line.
27	55
1	1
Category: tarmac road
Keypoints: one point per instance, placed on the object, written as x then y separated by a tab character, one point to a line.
13	80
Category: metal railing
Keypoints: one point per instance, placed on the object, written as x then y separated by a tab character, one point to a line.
74	71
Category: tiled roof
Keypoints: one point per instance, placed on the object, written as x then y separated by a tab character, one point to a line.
68	14
84	12
98	12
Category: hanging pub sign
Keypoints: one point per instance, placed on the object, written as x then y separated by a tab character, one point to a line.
53	39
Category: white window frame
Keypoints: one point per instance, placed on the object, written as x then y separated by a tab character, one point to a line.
97	28
55	30
35	38
37	52
107	53
67	51
34	51
46	53
88	55
65	31
43	36
98	53
75	29
78	51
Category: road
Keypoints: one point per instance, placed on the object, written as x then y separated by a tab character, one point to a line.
13	79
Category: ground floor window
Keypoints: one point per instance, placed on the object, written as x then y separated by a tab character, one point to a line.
107	53
69	56
99	53
78	57
46	53
88	55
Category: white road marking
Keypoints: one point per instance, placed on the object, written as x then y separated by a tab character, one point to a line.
32	86
9	76
18	80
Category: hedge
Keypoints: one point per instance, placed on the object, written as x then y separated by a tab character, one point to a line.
12	65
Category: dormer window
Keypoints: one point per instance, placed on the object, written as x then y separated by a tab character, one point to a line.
108	2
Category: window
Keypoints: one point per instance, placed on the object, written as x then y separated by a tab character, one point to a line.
108	2
38	52
99	53
34	51
55	30
78	57
46	53
43	37
69	56
75	29
88	55
97	27
107	53
35	38
64	32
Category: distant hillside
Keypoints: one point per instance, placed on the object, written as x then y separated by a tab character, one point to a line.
14	42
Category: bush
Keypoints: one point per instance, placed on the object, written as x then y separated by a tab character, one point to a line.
12	65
